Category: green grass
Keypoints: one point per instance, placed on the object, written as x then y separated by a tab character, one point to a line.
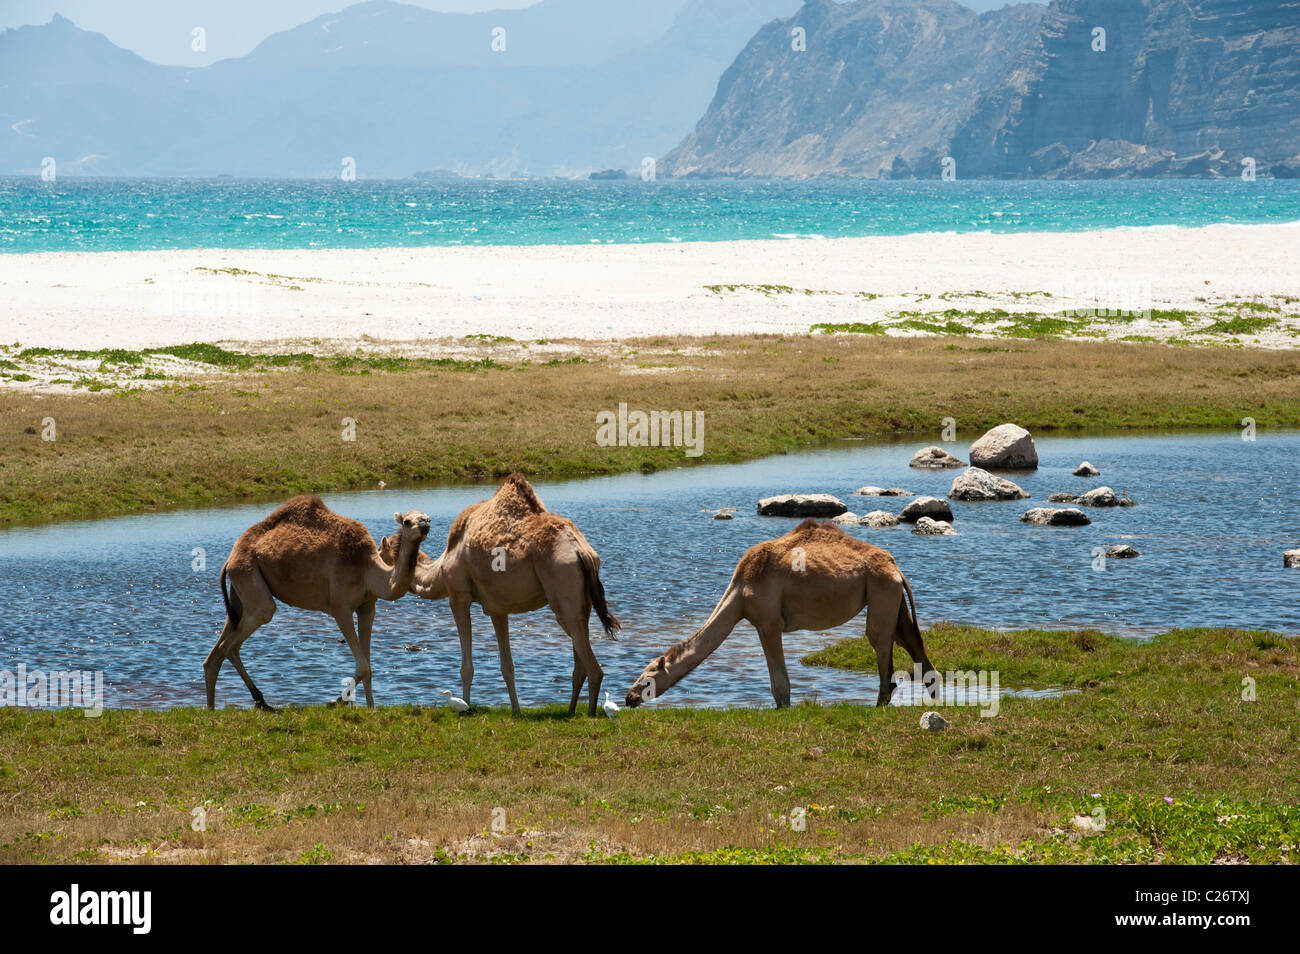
1157	743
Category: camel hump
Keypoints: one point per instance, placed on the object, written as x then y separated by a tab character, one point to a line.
312	527
516	495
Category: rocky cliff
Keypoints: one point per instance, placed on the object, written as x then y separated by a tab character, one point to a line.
1083	88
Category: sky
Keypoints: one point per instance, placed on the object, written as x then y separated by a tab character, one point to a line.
161	30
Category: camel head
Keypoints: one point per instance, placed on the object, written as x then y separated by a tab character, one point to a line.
652	684
413	527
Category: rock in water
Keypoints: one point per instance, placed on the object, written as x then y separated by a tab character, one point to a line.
1098	497
1006	447
801	505
1121	551
882	492
1063	498
933	722
880	518
1052	517
933	458
926	507
846	519
976	484
1291	558
926	527
1086	470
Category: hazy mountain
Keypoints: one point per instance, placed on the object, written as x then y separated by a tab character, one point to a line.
581	85
891	87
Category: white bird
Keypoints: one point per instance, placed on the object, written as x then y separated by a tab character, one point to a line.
457	704
610	707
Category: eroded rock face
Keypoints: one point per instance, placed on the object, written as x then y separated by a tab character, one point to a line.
976	484
933	458
926	507
1005	447
1054	517
880	518
801	505
926	527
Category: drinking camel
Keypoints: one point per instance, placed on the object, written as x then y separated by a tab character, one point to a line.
815	577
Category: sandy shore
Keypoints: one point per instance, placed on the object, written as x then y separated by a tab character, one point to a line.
147	299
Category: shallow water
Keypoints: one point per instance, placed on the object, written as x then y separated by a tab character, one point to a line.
1215	514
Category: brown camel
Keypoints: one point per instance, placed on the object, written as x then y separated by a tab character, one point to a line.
510	554
815	577
307	556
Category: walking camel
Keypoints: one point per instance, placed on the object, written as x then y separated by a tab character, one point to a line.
510	555
307	556
815	577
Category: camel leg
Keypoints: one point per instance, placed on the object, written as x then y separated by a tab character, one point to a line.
769	634
366	622
579	677
258	608
576	626
883	602
460	610
502	626
908	637
343	616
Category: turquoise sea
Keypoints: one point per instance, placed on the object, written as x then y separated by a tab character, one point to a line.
92	214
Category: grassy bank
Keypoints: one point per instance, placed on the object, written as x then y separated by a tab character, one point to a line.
1157	741
235	425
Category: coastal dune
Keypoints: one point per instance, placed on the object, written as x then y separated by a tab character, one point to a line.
159	298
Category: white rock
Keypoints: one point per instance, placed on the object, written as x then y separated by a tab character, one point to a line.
1005	447
977	484
882	492
847	519
926	507
933	458
879	518
933	722
1086	470
1122	551
1098	497
1291	558
933	528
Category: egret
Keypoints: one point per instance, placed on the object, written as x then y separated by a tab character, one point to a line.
610	707
457	704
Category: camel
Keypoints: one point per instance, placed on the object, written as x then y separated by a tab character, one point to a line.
815	577
510	555
307	556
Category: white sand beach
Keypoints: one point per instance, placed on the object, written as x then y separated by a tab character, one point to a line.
149	299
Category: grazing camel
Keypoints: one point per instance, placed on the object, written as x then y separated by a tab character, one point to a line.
510	554
307	556
815	577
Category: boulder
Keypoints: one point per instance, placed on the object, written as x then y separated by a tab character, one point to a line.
1063	498
1291	559
926	507
880	518
846	519
801	505
976	484
1121	551
1006	447
724	515
933	722
933	458
926	527
1098	497
882	492
1054	517
1086	470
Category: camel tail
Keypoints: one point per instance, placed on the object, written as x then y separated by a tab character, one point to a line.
596	590
911	606
234	608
